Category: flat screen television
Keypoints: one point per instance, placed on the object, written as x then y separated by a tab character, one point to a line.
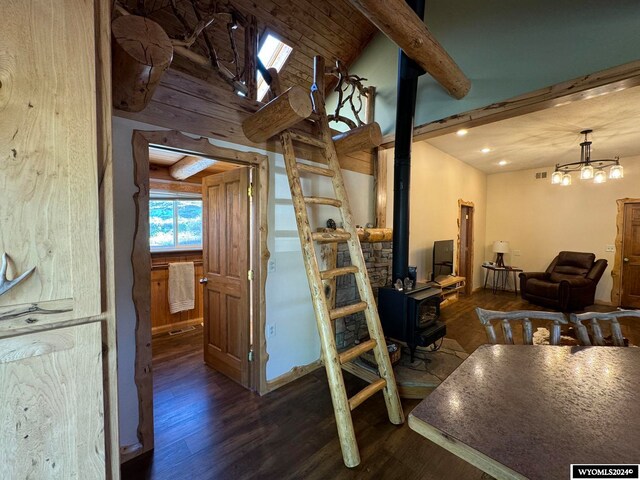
442	258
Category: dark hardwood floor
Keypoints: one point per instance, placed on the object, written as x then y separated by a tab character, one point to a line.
208	427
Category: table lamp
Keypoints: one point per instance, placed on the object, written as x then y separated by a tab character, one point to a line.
500	247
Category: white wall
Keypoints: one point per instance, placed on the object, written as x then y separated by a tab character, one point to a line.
288	301
541	219
438	181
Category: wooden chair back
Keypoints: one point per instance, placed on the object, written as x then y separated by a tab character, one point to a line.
524	317
594	318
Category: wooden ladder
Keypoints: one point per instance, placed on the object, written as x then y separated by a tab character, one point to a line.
326	314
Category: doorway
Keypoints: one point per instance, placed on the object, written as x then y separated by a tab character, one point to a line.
254	376
626	270
465	244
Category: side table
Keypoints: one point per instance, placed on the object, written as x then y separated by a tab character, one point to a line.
501	277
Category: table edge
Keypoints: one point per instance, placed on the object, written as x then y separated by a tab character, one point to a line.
463	451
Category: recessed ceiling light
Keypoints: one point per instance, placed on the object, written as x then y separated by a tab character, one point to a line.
485	150
462	132
502	163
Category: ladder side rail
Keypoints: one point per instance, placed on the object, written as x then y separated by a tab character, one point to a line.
331	358
391	395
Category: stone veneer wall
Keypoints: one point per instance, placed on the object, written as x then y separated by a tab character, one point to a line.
378	256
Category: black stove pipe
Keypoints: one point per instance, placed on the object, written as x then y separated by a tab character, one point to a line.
408	73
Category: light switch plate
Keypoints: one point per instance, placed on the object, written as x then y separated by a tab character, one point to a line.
610	248
516	253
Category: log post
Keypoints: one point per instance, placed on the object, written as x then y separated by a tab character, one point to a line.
141	52
400	23
282	112
365	137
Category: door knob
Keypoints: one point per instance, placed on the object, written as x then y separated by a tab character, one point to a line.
204	280
625	259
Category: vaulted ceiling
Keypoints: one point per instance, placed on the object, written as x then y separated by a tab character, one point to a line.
331	28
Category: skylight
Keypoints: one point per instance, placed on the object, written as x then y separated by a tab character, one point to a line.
273	53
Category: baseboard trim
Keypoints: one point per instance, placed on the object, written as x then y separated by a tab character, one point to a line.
606	304
291	375
175	326
129	452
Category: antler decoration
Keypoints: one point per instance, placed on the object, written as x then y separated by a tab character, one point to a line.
351	86
6	285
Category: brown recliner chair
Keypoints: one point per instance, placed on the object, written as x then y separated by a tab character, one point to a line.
568	284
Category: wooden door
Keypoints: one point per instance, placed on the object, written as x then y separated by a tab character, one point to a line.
465	256
226	266
631	256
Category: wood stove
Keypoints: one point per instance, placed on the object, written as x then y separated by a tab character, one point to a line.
411	316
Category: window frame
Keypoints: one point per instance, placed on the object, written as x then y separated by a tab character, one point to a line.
263	38
175	197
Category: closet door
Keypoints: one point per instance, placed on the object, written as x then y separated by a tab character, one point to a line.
51	405
48	161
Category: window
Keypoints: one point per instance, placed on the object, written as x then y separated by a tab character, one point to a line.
175	223
273	53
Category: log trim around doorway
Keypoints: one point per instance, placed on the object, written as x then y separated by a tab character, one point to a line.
469	281
616	271
141	262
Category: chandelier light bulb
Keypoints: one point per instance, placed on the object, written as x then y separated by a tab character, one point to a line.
586	172
616	172
556	178
566	180
600	177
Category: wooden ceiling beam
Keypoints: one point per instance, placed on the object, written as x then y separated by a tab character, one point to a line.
189	166
400	23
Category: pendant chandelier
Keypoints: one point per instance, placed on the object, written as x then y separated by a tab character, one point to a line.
589	169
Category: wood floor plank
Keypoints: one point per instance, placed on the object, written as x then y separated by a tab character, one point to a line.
208	427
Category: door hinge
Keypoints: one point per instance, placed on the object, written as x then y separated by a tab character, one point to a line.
250	275
250	355
250	190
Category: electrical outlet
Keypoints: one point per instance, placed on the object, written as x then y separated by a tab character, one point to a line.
271	266
516	253
610	248
271	330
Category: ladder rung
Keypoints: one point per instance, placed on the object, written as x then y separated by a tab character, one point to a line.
306	138
323	201
336	272
317	170
330	236
356	351
366	392
347	310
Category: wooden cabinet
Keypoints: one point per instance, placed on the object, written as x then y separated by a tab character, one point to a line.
51	404
48	170
57	339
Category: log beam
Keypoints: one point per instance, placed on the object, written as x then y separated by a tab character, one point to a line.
189	166
400	23
142	52
282	112
362	138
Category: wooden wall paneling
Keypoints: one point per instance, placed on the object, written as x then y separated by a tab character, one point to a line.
186	111
162	320
141	268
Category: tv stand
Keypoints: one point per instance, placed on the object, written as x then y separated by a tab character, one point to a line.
451	286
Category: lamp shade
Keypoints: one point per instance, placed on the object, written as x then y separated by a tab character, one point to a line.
500	246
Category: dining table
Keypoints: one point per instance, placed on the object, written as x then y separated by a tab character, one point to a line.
531	411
